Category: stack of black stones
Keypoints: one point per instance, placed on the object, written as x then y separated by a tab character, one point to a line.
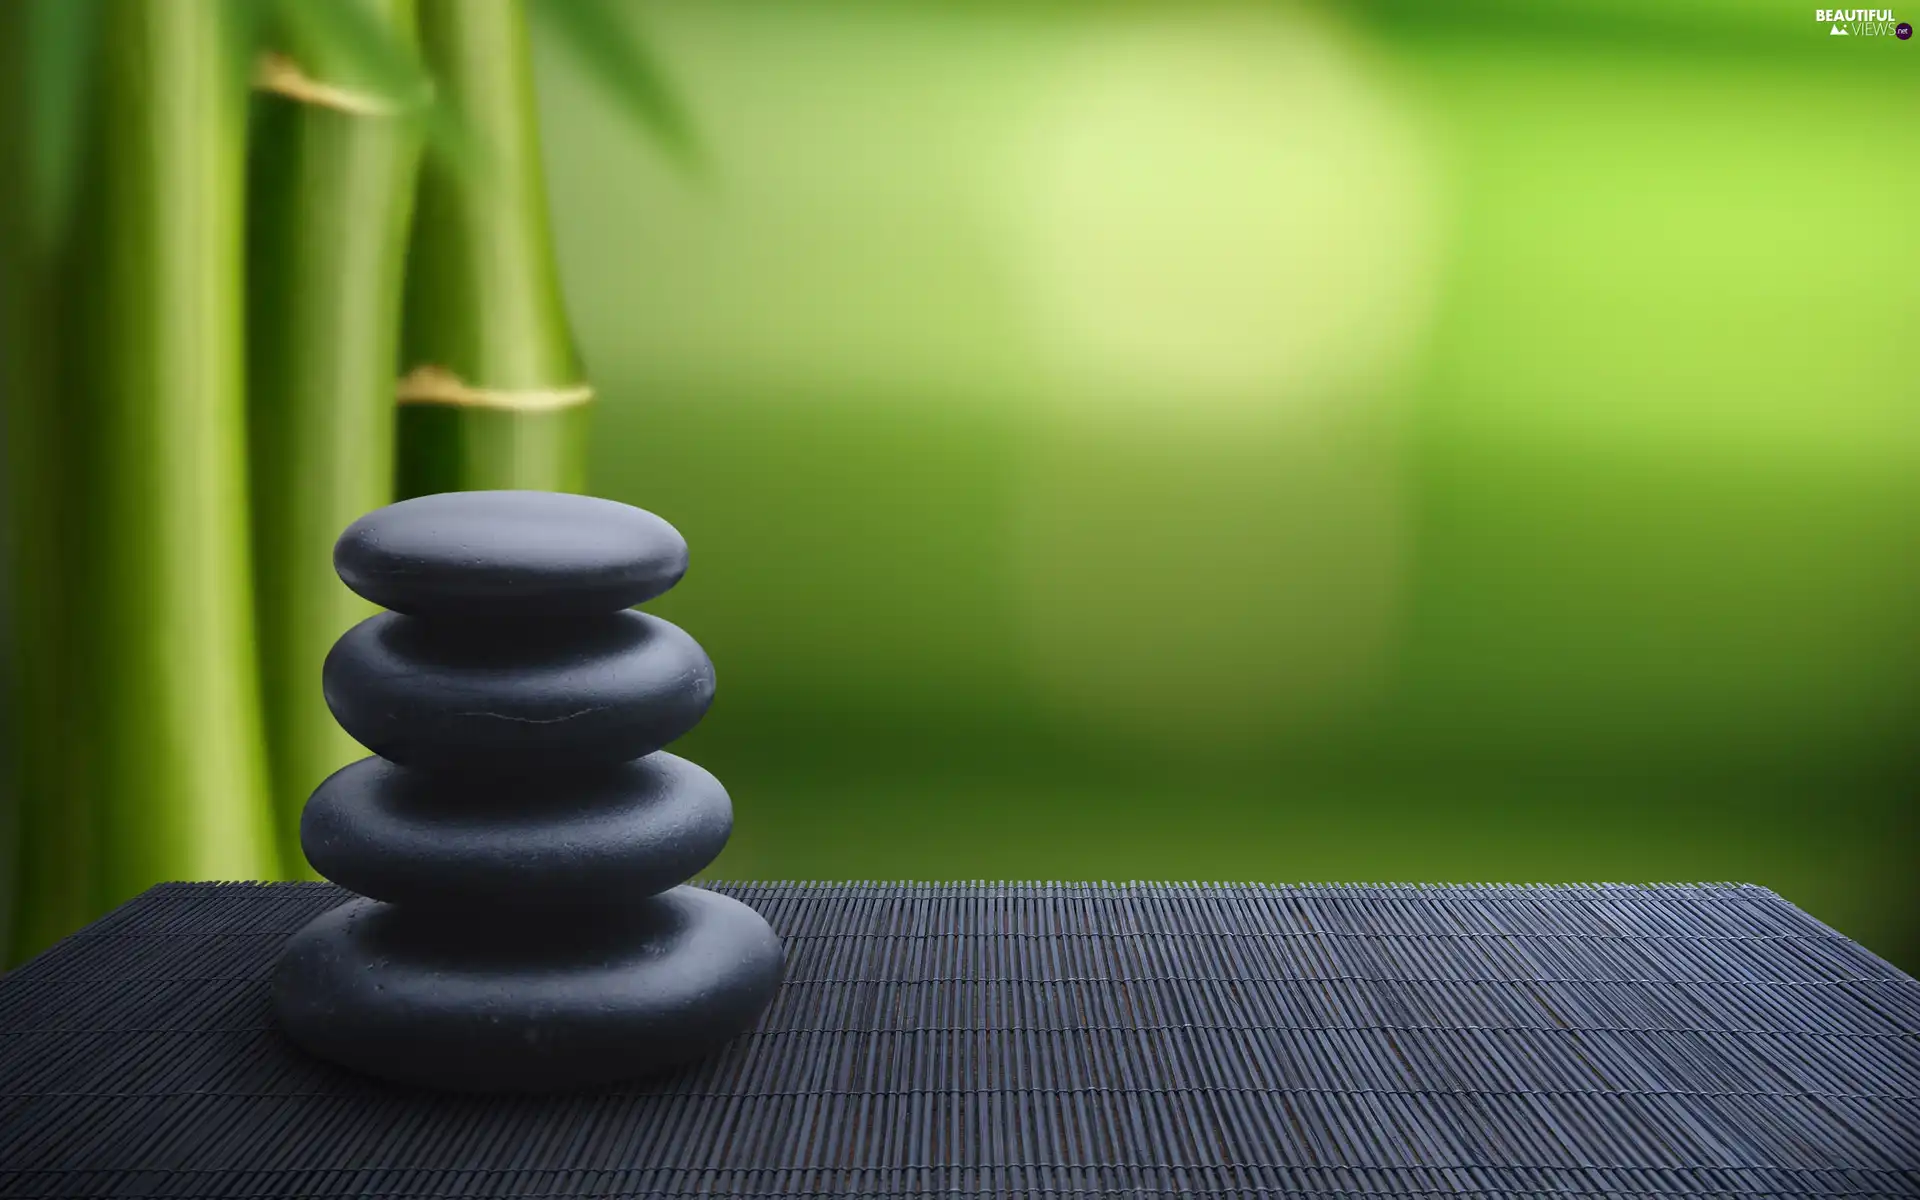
521	840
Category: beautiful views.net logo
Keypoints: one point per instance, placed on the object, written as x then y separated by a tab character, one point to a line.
1863	22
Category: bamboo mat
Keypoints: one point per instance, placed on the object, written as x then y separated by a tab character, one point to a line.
1042	1040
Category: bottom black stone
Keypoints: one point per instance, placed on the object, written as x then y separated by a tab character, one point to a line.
482	1006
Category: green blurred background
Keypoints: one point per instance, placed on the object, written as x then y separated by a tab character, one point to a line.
1465	442
1127	439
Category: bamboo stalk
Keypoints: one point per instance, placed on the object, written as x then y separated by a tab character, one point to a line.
487	345
331	180
171	717
15	257
51	871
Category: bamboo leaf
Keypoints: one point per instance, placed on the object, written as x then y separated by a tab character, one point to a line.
59	73
351	42
607	44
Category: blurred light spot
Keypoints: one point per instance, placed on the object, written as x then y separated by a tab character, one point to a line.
1218	207
1221	226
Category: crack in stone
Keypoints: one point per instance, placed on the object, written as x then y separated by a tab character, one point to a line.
536	720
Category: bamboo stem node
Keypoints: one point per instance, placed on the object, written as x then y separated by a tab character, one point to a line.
437	385
280	75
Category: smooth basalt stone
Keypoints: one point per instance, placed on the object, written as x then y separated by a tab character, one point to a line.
446	695
510	554
472	843
485	1007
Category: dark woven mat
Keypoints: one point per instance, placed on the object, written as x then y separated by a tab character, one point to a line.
1043	1040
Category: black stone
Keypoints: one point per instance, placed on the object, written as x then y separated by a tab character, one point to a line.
473	697
510	554
520	833
475	843
490	1007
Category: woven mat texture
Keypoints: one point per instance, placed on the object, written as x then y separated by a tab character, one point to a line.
1041	1040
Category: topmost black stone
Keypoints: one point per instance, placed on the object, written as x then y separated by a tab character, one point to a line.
508	553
